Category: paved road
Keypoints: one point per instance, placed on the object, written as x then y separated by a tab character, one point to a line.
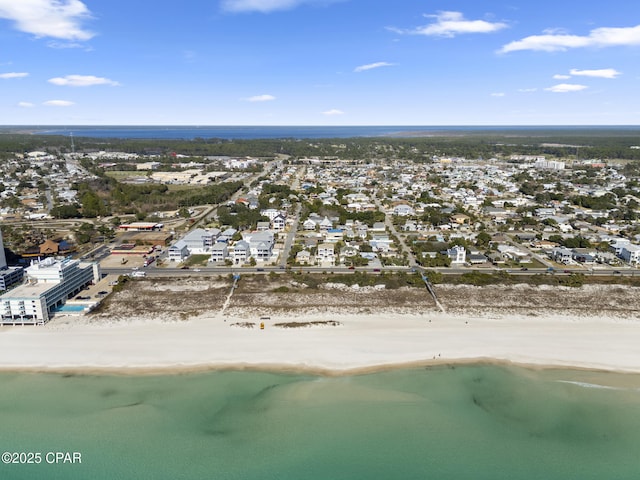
388	220
208	271
291	235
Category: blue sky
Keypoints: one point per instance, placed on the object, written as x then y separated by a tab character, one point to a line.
319	62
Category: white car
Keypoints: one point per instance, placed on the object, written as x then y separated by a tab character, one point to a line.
196	270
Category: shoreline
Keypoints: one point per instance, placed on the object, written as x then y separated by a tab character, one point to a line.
361	344
286	369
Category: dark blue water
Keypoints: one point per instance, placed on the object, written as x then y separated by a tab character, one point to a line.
299	132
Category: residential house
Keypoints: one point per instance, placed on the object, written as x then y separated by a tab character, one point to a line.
562	255
270	213
362	231
333	235
227	235
200	240
457	254
460	219
349	252
379	227
410	226
178	252
278	223
326	224
617	244
241	252
631	254
309	224
403	210
260	244
219	253
263	226
326	252
380	243
303	257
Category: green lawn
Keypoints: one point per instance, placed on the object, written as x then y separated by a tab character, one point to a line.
197	260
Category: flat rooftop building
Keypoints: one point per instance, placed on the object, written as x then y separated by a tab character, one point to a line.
50	283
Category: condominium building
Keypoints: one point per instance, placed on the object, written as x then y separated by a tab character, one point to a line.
50	283
8	275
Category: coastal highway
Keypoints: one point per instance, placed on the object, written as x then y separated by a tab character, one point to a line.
225	270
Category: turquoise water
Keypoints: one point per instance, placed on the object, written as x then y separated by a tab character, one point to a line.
472	422
70	308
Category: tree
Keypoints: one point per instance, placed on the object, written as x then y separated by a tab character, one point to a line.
483	239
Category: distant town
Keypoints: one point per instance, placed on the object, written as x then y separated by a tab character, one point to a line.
76	221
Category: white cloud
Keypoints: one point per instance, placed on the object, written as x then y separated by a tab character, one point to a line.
48	18
65	45
371	66
9	75
450	24
599	37
82	81
566	87
260	98
527	90
498	94
26	104
561	77
58	103
333	111
601	73
266	6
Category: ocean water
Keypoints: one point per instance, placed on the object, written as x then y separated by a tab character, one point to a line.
465	422
300	132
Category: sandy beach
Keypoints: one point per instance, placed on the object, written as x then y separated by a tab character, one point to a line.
144	328
360	342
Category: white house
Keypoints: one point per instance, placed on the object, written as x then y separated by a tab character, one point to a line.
227	235
617	244
278	223
219	252
403	210
263	226
303	257
457	254
562	255
309	224
178	252
631	254
200	240
326	224
270	213
326	252
260	244
334	235
380	243
241	252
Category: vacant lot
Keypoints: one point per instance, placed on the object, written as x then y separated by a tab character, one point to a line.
281	296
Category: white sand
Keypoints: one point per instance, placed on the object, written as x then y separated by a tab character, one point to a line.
360	342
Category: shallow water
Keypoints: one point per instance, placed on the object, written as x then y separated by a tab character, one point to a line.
471	422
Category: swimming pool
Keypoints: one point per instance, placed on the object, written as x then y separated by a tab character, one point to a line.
70	309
